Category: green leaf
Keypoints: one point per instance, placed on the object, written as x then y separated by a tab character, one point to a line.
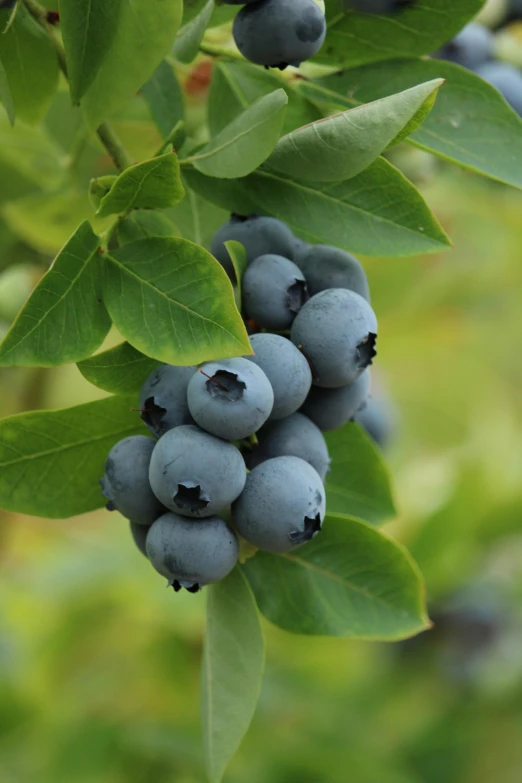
358	483
197	218
88	30
246	142
173	301
154	184
186	45
6	96
377	213
142	224
470	124
232	670
350	581
120	370
355	39
143	37
164	97
99	187
236	85
342	146
238	257
64	319
51	461
30	64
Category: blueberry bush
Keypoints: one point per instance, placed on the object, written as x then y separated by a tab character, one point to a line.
216	241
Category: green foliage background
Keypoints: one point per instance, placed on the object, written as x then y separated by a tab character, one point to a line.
99	665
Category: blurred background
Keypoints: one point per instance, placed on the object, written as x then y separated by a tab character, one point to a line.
99	664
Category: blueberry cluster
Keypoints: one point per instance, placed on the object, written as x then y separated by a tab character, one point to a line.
278	33
187	492
476	48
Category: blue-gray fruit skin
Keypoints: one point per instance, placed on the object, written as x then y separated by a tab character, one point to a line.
192	553
126	480
278	33
163	398
337	331
139	535
300	249
231	398
329	409
329	267
470	48
273	291
258	234
287	370
295	436
196	474
282	505
508	81
378	420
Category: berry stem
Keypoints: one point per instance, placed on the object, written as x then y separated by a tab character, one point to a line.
214	380
106	134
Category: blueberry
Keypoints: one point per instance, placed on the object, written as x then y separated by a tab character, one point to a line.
194	473
273	291
470	48
287	370
126	480
282	505
328	267
331	408
277	33
139	534
300	249
378	6
337	331
163	398
508	81
295	436
231	398
377	418
258	234
192	553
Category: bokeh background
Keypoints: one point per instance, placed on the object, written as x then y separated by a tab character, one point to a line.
99	664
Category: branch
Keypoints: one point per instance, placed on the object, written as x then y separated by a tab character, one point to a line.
106	134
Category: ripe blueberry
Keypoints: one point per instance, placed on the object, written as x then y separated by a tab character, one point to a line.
287	370
278	33
194	473
331	408
329	267
377	418
295	436
192	553
126	480
231	398
470	48
139	534
258	235
282	505
337	331
163	398
273	290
